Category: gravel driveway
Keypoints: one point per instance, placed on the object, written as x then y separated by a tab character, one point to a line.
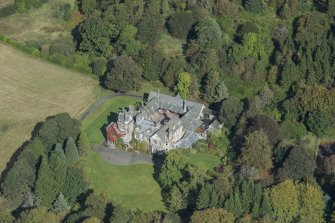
120	157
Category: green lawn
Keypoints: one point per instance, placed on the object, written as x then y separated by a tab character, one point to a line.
203	160
94	124
170	45
146	87
132	186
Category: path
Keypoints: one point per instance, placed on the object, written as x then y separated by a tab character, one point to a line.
119	157
102	100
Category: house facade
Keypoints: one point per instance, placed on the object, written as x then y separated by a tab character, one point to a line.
164	123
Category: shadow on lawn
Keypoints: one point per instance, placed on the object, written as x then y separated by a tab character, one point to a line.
112	117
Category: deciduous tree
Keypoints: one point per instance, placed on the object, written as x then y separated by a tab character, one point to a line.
285	201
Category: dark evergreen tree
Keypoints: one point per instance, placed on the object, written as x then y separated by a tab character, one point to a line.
74	184
71	151
20	179
57	166
45	186
204	196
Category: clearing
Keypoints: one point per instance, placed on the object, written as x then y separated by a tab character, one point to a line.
31	90
40	24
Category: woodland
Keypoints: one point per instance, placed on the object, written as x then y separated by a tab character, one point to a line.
267	67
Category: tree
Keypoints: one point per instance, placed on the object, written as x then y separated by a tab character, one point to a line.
183	85
299	164
319	122
45	186
96	34
174	67
311	28
57	166
254	6
83	144
124	75
257	151
150	28
21	177
60	204
204	197
88	6
171	169
180	24
71	151
270	127
74	184
30	201
175	200
312	204
285	201
209	33
120	214
99	66
56	129
230	110
126	40
213	215
151	63
96	206
38	215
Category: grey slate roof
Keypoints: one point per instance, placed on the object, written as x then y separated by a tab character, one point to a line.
187	115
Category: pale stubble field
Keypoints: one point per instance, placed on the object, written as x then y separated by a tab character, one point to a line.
31	90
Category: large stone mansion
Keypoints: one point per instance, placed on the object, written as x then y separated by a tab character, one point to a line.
164	123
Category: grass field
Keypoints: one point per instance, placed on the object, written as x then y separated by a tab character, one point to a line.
170	45
39	24
132	186
94	123
203	160
31	90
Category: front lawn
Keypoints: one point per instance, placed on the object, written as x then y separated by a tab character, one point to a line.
95	123
132	186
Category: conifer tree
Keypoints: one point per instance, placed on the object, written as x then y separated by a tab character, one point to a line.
45	184
57	165
257	198
175	201
247	188
214	199
203	197
265	208
83	144
238	209
71	151
60	204
229	204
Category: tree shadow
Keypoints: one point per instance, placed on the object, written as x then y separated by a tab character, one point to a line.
158	160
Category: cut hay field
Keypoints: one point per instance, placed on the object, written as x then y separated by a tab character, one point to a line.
31	90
